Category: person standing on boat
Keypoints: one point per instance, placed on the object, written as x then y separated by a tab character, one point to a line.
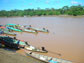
18	43
27	43
43	49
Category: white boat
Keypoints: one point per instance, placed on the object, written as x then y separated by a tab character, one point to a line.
46	58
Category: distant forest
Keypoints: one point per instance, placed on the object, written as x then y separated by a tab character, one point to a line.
72	10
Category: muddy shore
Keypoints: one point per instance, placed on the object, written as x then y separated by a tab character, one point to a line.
13	57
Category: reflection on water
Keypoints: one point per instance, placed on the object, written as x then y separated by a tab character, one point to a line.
66	35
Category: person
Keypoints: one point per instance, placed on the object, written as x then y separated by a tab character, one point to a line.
30	53
14	38
43	49
18	42
47	30
36	31
43	28
27	43
29	25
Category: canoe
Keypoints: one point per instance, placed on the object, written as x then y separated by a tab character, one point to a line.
13	25
34	49
47	59
33	56
9	33
37	29
11	28
4	31
30	31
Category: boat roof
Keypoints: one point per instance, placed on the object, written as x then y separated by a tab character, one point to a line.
11	40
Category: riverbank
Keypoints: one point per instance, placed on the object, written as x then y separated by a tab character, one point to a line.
13	57
44	16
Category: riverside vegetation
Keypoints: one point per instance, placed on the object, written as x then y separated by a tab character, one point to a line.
72	10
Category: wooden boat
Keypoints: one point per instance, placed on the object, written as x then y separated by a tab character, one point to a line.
16	26
34	49
3	31
30	31
11	28
46	58
9	33
11	42
37	29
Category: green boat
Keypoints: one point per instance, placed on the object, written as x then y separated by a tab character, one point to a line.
9	33
30	31
11	28
5	31
37	29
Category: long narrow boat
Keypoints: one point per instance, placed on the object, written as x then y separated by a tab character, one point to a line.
30	31
46	58
37	29
13	25
11	28
34	49
9	33
5	31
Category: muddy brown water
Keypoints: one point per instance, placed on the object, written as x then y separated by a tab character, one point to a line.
66	35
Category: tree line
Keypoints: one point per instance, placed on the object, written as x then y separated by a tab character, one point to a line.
72	10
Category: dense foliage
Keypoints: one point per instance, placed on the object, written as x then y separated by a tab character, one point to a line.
73	10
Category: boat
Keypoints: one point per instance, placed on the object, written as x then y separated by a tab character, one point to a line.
30	31
34	49
12	42
21	28
9	33
46	59
37	29
13	25
6	31
11	28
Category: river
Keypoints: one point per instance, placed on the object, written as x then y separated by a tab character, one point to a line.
66	35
